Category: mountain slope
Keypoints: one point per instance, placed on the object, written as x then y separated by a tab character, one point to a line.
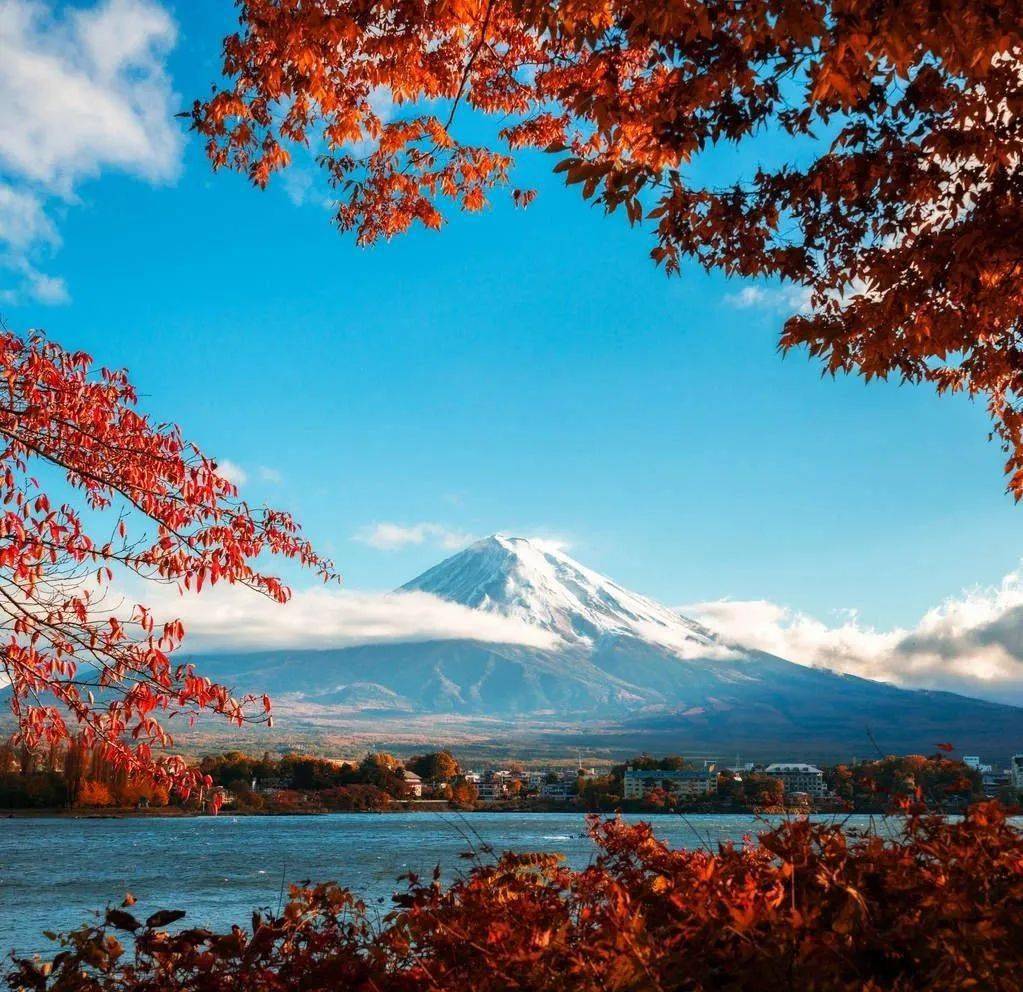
622	666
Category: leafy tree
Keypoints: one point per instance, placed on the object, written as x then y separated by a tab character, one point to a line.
95	793
669	763
435	766
32	790
934	780
899	207
354	797
658	798
463	792
313	773
762	790
600	792
135	792
384	771
77	664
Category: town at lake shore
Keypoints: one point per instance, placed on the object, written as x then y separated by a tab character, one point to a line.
79	781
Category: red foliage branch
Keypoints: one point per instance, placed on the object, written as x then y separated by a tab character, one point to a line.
77	664
900	208
809	907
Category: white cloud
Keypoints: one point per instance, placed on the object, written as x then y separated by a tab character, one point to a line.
792	299
86	90
392	537
23	222
45	289
81	90
232	471
971	643
271	475
235	618
33	284
297	184
559	545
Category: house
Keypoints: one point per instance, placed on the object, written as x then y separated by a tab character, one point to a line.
495	788
272	785
413	783
994	783
798	777
1016	771
683	784
560	790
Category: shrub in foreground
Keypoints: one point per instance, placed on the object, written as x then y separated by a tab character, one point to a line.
807	907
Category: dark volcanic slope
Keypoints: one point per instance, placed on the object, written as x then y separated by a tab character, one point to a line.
759	706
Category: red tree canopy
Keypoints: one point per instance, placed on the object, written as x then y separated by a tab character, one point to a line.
903	221
78	663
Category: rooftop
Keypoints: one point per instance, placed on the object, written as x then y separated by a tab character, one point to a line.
663	774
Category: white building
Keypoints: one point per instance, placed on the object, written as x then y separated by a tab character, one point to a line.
973	761
798	777
413	783
1016	771
557	790
683	784
495	788
993	782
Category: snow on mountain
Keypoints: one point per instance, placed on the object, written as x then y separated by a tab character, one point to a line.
535	582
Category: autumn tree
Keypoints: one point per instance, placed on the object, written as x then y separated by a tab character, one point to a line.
899	208
463	792
124	498
934	780
435	766
384	771
95	793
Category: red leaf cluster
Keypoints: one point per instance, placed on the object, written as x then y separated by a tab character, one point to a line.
76	662
900	208
809	907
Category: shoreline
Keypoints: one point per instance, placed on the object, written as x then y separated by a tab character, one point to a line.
177	814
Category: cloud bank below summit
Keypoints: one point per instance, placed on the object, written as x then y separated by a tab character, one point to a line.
236	619
971	643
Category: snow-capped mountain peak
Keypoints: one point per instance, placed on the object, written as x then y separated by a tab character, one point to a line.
536	582
652	679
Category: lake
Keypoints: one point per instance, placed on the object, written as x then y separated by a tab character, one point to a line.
55	871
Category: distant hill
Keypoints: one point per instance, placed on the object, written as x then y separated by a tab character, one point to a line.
622	669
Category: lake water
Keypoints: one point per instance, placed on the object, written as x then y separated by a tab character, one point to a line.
54	872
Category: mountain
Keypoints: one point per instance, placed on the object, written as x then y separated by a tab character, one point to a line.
616	666
535	582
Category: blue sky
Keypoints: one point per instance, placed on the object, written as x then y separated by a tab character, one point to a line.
526	372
